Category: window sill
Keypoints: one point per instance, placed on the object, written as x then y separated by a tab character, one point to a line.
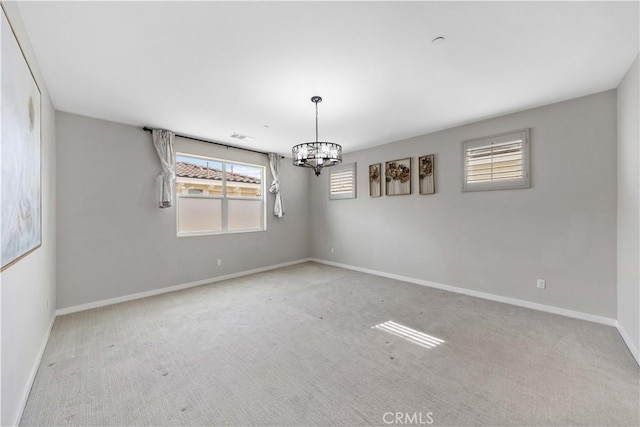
218	233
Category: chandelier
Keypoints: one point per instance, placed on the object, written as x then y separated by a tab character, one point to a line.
316	155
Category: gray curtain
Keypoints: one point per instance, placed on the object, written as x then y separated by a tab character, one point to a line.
163	141
278	206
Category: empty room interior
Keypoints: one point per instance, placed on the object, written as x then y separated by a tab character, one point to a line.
320	213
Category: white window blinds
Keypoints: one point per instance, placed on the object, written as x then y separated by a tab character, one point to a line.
496	162
342	182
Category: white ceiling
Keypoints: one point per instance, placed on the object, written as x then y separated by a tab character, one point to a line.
210	69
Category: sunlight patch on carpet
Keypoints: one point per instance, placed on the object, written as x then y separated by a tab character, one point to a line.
409	334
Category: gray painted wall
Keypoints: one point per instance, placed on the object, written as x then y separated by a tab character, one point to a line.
115	241
28	287
562	229
629	207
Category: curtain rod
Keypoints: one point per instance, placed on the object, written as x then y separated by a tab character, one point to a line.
148	129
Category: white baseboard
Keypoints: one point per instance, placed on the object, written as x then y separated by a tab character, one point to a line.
629	342
32	376
131	297
513	301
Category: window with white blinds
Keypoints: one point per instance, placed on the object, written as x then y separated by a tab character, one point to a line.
342	182
496	162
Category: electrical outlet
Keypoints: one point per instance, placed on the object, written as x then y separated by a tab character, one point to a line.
542	284
332	251
47	303
219	261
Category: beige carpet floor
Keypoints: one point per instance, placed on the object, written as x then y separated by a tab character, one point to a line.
297	346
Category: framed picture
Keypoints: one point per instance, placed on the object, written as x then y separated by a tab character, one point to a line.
375	180
20	146
427	174
397	177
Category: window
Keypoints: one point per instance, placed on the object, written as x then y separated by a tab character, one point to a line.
496	162
342	182
217	196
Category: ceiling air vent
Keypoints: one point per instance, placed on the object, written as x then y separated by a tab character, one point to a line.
240	136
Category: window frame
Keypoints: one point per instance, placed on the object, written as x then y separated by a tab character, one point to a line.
503	184
337	169
224	214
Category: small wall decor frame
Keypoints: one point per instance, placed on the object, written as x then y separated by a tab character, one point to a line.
427	174
375	180
397	177
20	144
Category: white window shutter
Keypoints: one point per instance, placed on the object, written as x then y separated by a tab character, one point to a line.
342	182
496	162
